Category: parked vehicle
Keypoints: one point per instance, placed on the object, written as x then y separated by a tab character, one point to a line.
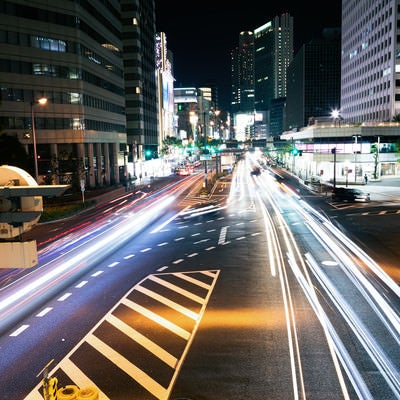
349	194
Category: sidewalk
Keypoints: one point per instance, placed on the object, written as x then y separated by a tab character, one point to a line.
386	189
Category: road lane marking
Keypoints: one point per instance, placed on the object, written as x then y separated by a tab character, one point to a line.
132	370
164	300
113	264
196	282
64	297
176	288
79	371
19	330
129	256
184	334
145	342
44	312
222	235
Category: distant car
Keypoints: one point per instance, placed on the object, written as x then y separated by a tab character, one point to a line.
207	207
256	171
349	194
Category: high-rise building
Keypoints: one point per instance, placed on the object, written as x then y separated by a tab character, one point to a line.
165	86
273	52
139	44
71	54
258	70
313	80
242	74
370	63
94	62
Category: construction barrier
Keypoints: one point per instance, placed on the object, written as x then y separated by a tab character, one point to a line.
89	393
69	392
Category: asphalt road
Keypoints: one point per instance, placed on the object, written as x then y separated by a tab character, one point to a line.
200	295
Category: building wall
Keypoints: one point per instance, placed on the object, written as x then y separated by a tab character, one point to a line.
138	26
273	52
369	81
314	80
70	54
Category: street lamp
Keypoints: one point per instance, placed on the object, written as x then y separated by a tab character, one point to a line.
205	150
335	114
42	101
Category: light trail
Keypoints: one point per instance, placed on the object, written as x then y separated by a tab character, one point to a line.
368	282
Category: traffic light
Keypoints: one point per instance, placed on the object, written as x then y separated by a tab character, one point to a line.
295	152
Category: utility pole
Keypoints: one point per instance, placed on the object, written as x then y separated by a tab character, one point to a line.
333	151
205	149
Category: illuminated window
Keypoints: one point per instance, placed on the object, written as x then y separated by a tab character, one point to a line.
135	21
49	44
77	124
75	98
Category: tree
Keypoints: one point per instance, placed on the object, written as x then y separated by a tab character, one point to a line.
12	152
168	143
375	154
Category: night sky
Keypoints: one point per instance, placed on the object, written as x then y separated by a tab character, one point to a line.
202	34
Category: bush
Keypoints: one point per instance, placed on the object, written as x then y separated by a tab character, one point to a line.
60	211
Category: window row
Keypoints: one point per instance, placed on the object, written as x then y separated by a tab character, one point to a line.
57	71
29	96
61	123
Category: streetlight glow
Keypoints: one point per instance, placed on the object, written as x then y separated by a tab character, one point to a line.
42	101
335	114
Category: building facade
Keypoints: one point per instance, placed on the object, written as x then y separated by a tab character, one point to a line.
71	55
370	62
242	74
94	62
313	80
273	52
139	54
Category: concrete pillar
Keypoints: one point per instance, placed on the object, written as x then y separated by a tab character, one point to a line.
90	155
106	153
99	170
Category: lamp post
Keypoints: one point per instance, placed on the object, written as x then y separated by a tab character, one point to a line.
216	115
205	149
333	151
42	101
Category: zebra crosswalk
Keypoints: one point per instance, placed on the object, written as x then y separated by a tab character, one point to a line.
137	349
